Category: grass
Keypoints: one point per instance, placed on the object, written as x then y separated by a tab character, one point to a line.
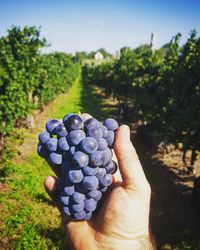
28	218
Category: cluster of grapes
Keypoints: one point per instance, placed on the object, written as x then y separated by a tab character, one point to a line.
82	149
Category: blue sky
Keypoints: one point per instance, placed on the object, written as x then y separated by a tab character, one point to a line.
74	25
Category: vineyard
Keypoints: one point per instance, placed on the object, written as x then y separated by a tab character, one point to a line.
29	80
162	86
155	92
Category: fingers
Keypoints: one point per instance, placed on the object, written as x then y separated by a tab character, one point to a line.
85	116
50	187
129	165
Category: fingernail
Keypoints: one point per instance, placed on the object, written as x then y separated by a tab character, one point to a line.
50	183
126	133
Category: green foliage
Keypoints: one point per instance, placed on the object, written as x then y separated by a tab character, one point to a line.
104	52
57	73
163	86
80	56
27	76
19	52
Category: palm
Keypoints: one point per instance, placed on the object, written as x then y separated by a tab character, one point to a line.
119	220
122	213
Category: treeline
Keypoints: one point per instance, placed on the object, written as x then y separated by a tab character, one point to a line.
29	79
162	85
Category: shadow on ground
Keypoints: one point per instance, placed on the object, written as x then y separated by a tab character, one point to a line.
174	220
55	235
94	102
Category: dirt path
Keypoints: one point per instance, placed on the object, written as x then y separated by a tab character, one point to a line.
174	220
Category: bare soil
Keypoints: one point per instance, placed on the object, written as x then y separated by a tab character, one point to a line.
174	219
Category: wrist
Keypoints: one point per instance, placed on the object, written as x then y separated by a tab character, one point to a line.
144	242
141	242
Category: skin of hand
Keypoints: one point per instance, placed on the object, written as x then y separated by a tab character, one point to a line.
122	221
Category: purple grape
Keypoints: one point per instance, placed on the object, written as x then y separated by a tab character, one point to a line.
67	116
78	197
51	125
90	205
66	211
44	137
96	159
107	156
42	151
77	207
63	144
88	216
74	122
80	215
104	130
55	158
89	145
91	123
68	190
90	182
61	130
103	189
95	194
111	124
75	176
106	180
76	136
102	144
52	144
89	171
110	138
72	150
101	173
82	149
64	200
80	159
111	168
95	133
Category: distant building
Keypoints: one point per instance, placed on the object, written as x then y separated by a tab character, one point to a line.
98	56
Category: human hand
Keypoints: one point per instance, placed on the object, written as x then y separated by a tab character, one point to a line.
122	221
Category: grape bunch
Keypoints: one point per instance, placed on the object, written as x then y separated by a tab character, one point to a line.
81	148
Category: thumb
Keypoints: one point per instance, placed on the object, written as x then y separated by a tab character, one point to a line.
130	167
